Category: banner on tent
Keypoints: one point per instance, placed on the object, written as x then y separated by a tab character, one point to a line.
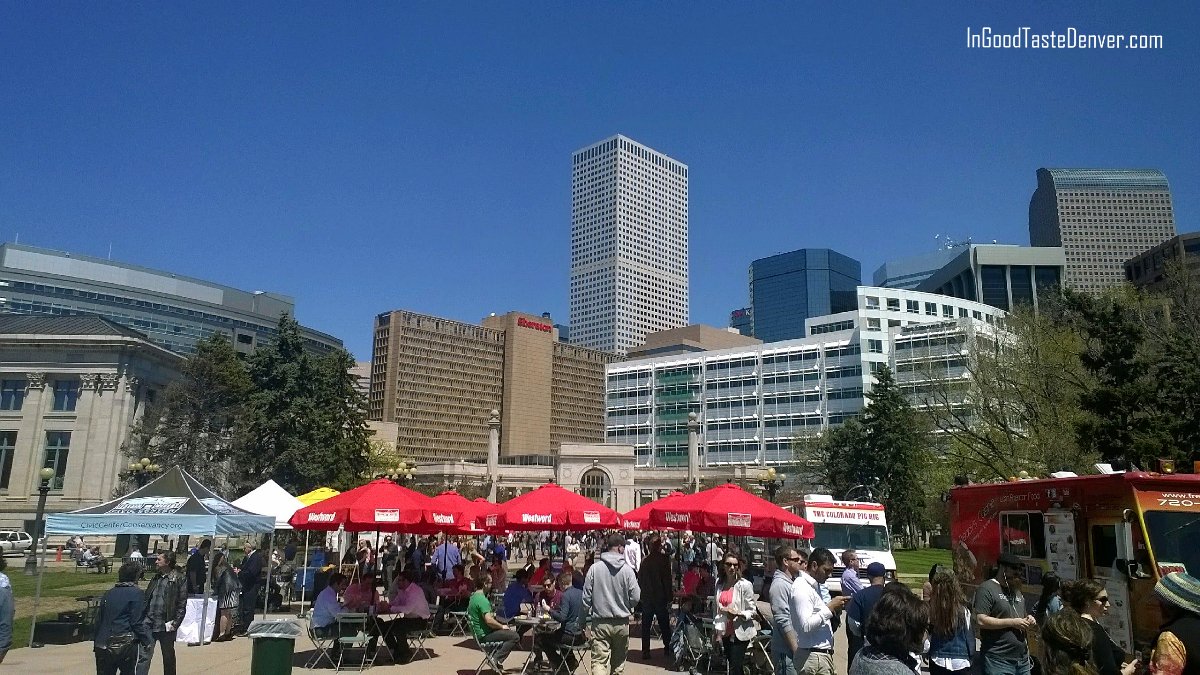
739	520
149	505
387	515
591	517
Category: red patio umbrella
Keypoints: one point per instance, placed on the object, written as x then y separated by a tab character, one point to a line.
378	505
472	511
639	518
728	509
550	507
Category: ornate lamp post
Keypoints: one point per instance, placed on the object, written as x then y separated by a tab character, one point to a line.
44	477
770	482
402	472
142	471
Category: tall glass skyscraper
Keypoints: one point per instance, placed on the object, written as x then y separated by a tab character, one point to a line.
788	288
1101	218
629	244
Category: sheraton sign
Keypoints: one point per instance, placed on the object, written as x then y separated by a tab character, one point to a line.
536	325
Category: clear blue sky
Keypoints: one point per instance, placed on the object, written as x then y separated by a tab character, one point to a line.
371	156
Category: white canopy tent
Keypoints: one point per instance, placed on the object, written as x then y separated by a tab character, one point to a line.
269	499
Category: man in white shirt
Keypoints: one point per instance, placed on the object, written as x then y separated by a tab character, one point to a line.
327	607
812	618
633	553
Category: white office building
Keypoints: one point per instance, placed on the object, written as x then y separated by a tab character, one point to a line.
754	401
629	244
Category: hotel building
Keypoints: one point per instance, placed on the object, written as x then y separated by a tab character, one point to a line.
629	244
753	401
439	379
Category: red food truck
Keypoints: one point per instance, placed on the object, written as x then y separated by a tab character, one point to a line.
1125	530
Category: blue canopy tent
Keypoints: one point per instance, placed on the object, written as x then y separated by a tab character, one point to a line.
174	503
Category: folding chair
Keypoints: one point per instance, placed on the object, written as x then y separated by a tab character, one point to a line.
359	639
416	641
458	623
489	656
323	645
760	654
569	652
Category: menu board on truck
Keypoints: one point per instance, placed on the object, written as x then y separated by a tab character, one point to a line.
1061	549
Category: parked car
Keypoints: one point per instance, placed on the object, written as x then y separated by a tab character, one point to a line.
14	541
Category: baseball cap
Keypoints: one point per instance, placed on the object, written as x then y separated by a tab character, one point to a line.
876	570
1009	560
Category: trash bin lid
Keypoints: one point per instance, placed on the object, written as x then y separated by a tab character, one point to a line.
274	629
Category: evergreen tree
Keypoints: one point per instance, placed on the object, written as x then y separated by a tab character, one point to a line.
192	423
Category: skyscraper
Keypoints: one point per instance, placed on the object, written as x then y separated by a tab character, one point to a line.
629	244
1101	218
788	288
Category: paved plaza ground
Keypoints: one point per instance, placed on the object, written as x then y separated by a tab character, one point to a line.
450	655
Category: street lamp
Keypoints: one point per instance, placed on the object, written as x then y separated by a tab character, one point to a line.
770	482
402	472
31	562
142	471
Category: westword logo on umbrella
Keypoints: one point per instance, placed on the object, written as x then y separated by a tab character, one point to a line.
443	518
672	517
321	517
542	518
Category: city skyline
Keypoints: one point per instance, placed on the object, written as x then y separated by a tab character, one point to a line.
283	154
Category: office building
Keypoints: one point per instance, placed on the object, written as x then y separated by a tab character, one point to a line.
999	275
788	288
1101	218
1149	269
742	320
71	388
909	272
629	244
173	311
439	379
754	401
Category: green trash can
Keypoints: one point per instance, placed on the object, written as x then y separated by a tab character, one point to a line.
274	645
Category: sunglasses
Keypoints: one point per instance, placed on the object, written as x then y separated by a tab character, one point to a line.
796	559
1102	599
731	564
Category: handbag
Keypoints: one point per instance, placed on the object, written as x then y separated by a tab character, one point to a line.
119	645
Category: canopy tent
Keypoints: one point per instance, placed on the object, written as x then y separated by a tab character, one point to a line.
269	499
728	509
378	505
173	503
639	518
317	495
551	507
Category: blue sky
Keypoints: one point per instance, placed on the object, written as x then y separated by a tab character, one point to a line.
372	156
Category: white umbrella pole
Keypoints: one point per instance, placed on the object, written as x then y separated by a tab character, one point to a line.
267	597
303	577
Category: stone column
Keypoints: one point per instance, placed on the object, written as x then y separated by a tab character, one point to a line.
493	456
693	426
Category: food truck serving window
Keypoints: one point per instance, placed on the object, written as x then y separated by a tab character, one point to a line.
1023	534
1173	536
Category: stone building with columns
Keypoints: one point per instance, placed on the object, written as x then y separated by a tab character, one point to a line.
71	387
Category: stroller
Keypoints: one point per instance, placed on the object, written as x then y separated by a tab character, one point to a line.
691	642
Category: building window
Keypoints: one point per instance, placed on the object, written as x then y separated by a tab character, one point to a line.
594	485
66	395
947	312
58	445
875	346
8	445
873	324
893	304
12	394
914	307
931	309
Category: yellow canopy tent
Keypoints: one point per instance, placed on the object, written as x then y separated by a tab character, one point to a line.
317	495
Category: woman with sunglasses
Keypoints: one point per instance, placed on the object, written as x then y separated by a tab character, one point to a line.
734	620
1090	599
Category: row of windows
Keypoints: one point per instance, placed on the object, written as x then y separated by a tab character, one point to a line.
66	394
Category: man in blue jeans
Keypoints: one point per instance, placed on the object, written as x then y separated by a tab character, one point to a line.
1003	620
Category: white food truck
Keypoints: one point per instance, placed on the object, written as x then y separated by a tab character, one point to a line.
841	525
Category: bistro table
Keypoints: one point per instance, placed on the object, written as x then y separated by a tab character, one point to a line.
540	624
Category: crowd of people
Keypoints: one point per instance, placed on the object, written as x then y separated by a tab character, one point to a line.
624	580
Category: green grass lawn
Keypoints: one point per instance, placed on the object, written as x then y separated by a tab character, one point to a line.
919	560
60	587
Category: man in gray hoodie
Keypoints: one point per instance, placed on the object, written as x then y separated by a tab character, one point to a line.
788	563
610	592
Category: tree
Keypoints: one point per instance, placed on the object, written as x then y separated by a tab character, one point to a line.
191	425
886	449
1007	399
303	424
